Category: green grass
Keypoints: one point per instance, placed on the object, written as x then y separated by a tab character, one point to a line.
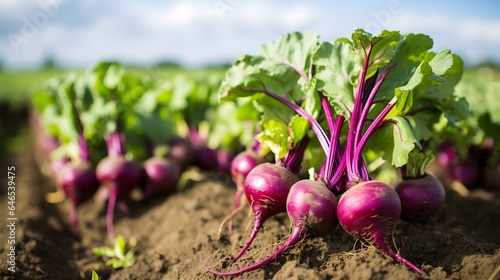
18	87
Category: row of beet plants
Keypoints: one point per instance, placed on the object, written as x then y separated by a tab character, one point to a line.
325	109
107	131
470	158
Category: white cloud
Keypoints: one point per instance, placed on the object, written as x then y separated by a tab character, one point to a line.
475	39
192	32
480	30
167	16
298	16
181	13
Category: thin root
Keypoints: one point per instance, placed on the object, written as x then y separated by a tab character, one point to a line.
494	274
228	217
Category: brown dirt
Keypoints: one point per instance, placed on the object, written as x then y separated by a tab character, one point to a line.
463	245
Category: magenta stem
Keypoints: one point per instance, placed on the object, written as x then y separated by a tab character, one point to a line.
84	149
337	178
296	69
359	166
355	119
195	137
293	160
371	129
367	106
315	126
256	146
114	144
339	162
327	168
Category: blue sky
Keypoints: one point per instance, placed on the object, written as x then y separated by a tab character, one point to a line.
198	32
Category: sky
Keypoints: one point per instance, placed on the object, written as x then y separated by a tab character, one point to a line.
194	33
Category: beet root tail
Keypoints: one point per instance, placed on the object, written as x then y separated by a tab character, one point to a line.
256	228
292	240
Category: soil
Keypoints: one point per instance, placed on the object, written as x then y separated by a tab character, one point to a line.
464	244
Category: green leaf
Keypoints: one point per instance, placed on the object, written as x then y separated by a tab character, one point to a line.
489	128
129	259
411	46
104	252
114	75
157	129
493	104
394	141
116	263
480	89
281	127
404	94
271	108
225	127
42	100
340	63
247	110
455	110
337	74
299	128
418	160
409	53
154	117
447	69
312	103
422	124
95	276
118	255
120	247
442	62
381	47
241	74
275	136
438	91
295	48
247	74
272	69
181	87
428	87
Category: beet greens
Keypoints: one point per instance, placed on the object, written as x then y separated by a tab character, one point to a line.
117	92
389	92
393	93
68	149
327	111
283	116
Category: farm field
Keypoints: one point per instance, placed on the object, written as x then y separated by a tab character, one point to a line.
93	155
464	245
